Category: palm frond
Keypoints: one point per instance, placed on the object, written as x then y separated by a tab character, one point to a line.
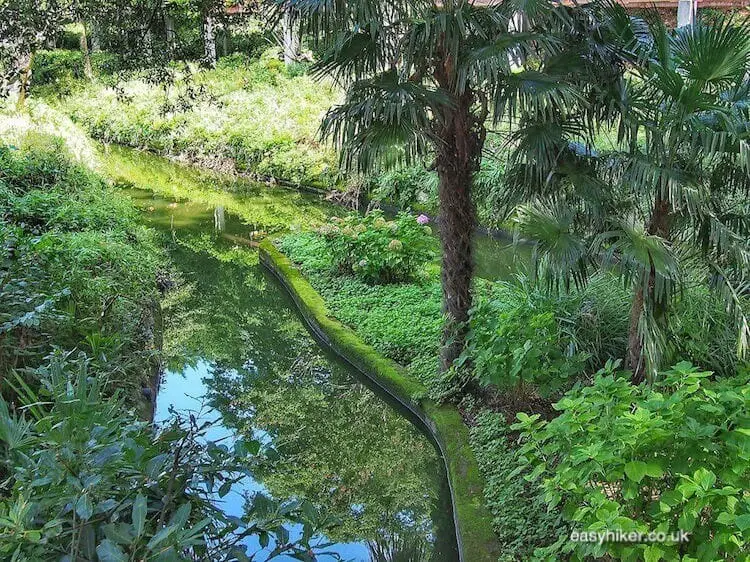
560	255
712	54
385	120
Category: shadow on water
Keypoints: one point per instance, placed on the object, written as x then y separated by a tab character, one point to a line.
235	343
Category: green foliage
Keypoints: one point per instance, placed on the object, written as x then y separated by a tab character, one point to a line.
87	480
405	187
378	251
62	68
662	458
520	517
248	114
76	269
519	337
402	321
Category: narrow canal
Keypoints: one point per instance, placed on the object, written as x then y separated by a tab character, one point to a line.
238	352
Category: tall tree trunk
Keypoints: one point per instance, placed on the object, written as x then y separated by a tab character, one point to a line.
458	157
87	72
96	40
291	43
169	32
658	225
24	81
209	39
226	41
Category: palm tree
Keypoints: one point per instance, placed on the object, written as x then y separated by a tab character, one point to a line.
422	79
667	202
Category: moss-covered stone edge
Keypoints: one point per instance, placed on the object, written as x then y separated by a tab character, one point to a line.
476	540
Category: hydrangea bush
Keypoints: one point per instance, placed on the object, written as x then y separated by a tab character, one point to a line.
379	251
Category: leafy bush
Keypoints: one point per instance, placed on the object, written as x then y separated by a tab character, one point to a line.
87	480
376	250
76	268
519	337
521	520
662	459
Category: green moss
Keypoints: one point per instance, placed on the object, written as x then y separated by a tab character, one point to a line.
477	541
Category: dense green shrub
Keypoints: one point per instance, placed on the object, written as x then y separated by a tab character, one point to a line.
521	520
519	336
662	459
379	251
87	480
76	268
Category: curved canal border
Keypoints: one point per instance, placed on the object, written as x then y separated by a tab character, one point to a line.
473	523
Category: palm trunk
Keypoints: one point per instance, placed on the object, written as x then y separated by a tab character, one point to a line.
659	225
458	158
87	71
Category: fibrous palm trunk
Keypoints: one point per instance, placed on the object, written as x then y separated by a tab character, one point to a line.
458	156
635	361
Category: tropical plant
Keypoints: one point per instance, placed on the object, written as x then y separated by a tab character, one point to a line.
422	79
651	460
520	338
664	205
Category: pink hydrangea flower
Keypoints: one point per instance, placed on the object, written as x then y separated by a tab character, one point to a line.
423	219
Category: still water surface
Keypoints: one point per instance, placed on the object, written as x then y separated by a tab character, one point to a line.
238	352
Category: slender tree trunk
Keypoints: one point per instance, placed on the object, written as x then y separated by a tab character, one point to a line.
458	158
209	39
169	32
148	43
291	43
226	41
96	41
659	225
24	80
87	71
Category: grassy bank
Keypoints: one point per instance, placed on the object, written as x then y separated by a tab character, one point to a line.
79	272
250	116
